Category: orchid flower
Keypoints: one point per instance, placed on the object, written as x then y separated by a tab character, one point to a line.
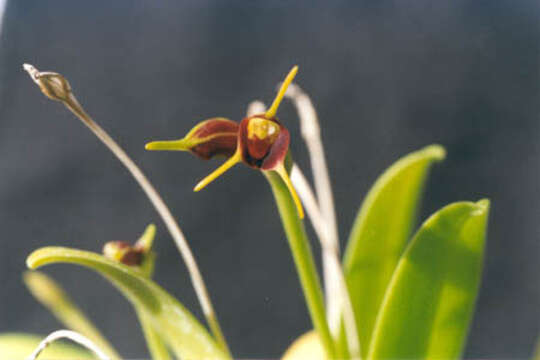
259	141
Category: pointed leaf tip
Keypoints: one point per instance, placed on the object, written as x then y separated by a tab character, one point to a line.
483	205
435	151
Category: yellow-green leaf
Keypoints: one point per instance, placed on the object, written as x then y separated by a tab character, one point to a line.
54	298
430	300
186	337
15	346
380	233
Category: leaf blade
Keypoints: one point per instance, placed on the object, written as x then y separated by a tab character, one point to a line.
380	233
430	300
51	295
186	337
17	346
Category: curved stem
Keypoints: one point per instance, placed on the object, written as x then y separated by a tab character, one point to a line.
56	87
156	200
55	299
339	306
71	335
303	259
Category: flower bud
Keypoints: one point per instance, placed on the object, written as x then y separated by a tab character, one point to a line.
209	138
52	84
132	255
123	252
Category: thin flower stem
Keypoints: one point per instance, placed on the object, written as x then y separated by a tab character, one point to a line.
310	203
256	107
308	199
310	130
337	294
57	88
71	335
303	259
300	248
165	213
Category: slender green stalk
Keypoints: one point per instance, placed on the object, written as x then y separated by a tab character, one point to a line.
303	259
338	300
54	298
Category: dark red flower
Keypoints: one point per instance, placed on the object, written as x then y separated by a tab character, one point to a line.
260	141
209	138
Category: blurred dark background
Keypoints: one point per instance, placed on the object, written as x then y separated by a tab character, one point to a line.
387	77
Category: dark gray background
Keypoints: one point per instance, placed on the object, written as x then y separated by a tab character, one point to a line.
387	77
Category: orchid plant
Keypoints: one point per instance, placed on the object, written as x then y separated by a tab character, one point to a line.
391	295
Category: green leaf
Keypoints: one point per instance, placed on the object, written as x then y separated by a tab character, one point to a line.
428	306
380	233
15	346
186	337
54	298
156	346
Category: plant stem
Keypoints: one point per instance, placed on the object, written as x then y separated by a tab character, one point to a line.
303	259
338	301
56	87
165	213
310	130
67	334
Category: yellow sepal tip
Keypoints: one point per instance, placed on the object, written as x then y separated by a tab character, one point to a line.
174	145
282	172
271	112
233	160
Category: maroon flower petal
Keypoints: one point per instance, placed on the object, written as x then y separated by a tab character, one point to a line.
278	151
209	138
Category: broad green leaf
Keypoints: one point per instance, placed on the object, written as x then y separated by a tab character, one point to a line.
186	337
15	346
54	298
430	300
380	233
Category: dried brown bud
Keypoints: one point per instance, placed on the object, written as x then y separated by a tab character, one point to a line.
52	84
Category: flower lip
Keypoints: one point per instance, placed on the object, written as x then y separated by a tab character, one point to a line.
263	142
